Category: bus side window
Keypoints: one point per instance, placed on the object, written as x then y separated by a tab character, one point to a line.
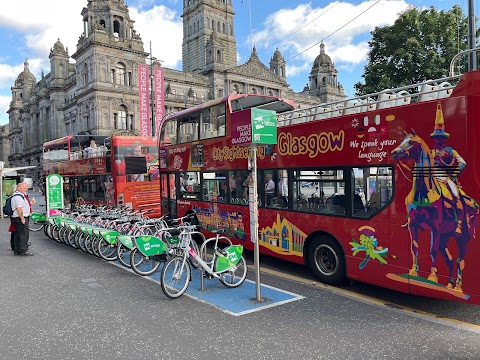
373	190
188	130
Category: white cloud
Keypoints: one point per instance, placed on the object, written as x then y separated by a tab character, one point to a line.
284	22
163	27
294	70
4	104
39	28
297	32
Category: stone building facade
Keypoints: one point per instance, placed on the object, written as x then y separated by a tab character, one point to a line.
98	94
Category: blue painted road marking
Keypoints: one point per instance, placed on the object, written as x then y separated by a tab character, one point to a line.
237	301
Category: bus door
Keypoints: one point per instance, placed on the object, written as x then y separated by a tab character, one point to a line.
168	194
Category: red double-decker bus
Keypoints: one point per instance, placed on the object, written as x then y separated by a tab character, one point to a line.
381	188
100	170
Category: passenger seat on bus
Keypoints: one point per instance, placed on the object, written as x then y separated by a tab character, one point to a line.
374	202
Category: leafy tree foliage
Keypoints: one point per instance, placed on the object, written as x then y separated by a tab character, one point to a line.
418	46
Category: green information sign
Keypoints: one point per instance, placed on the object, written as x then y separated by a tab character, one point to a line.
54	194
264	126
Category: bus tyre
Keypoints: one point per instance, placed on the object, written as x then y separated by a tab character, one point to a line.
327	260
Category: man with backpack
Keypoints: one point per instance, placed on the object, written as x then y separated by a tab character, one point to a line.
20	218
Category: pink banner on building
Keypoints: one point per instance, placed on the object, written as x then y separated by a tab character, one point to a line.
158	81
144	100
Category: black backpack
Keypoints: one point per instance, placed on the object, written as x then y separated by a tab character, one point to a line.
7	208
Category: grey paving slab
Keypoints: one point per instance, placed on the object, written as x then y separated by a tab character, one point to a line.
64	304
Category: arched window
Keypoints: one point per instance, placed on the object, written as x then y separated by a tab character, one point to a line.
213	24
120	78
116	27
219	55
85	75
235	89
282	73
102	22
218	26
224	29
120	119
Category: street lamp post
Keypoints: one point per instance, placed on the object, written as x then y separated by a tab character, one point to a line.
2	165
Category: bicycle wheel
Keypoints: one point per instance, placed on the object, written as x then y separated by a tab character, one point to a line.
80	241
175	277
71	238
95	242
61	234
55	231
235	277
143	265
46	230
88	244
36	226
107	251
123	255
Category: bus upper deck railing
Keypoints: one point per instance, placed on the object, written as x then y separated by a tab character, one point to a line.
89	153
425	91
63	155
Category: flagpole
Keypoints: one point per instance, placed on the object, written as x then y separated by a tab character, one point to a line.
251	31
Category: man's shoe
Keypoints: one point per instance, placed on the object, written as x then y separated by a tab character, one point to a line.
25	254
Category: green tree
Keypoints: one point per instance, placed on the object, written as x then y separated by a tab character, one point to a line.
417	47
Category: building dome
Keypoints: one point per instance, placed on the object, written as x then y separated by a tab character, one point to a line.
26	77
323	59
58	49
277	55
58	46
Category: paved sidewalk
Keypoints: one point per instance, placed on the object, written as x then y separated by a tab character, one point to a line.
65	304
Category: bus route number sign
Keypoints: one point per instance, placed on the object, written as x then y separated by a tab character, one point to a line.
254	126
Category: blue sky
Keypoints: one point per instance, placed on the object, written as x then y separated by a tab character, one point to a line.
295	27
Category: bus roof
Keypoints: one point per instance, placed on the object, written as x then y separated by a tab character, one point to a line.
243	101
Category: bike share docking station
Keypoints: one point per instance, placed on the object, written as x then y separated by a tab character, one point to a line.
249	127
262	129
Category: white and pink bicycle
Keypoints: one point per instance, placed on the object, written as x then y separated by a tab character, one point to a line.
227	264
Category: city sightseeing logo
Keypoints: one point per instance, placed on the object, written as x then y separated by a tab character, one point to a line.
177	162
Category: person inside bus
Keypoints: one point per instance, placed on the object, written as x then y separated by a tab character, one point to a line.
246	183
233	187
269	189
283	192
239	192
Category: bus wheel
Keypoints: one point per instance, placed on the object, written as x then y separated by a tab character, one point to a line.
327	260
